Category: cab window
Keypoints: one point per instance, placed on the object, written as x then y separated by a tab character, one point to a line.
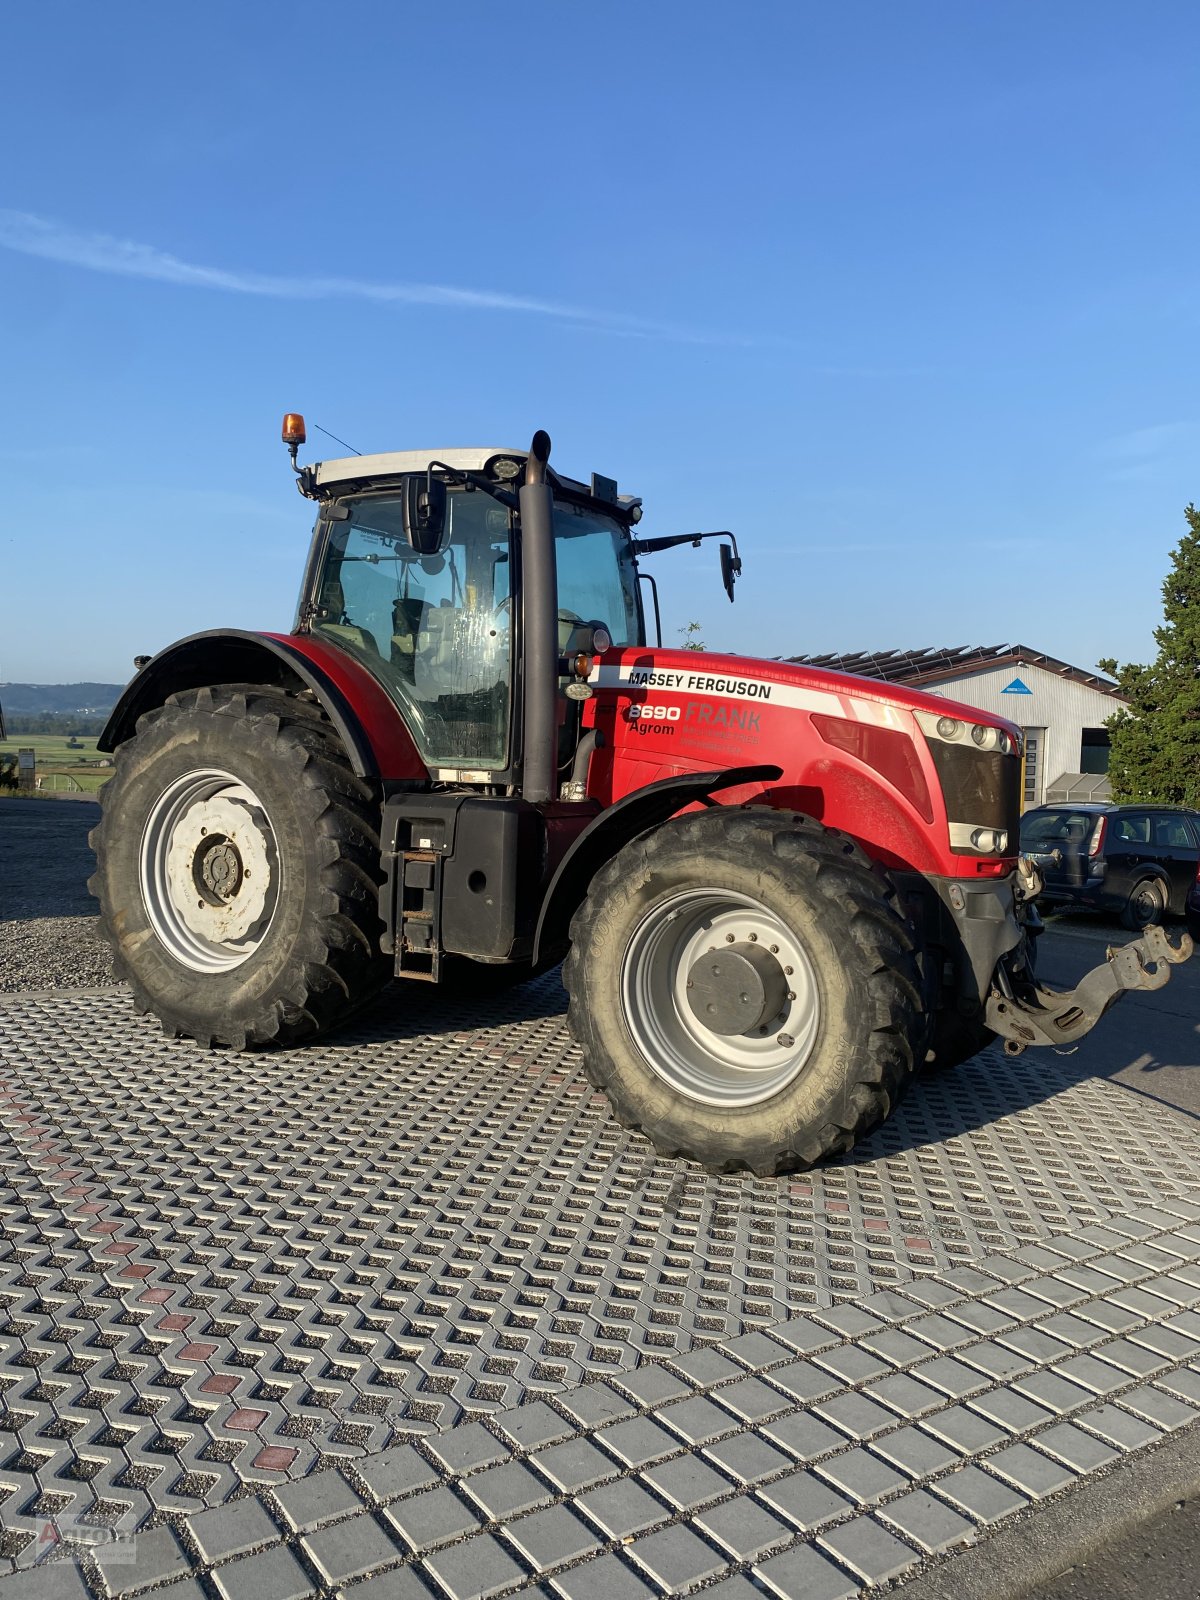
435	630
597	579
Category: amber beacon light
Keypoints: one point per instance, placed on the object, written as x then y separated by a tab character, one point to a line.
293	435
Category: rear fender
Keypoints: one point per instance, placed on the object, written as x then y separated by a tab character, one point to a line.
613	829
377	741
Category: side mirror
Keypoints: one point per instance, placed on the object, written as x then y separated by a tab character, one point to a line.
731	567
424	513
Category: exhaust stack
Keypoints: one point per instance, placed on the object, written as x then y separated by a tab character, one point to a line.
539	622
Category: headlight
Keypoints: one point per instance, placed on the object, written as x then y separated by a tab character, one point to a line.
951	731
980	781
990	841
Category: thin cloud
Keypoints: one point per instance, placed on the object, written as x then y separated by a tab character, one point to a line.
1145	454
1142	444
100	252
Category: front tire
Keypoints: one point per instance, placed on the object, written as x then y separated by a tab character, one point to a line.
744	990
237	866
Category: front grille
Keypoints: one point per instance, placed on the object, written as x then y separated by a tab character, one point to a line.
980	787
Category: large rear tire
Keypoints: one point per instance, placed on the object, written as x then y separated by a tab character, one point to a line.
745	991
237	868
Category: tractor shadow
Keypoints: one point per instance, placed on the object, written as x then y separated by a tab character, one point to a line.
408	1009
1146	1049
939	1107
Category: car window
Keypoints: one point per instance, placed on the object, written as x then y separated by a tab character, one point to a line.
1133	829
1049	827
1173	832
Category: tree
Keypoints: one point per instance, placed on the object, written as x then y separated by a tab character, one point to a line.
690	642
1156	741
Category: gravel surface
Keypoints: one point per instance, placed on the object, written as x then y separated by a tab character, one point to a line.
48	930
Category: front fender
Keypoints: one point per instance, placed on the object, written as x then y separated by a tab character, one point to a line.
613	829
377	741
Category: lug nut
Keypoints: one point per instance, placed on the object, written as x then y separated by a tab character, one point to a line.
728	938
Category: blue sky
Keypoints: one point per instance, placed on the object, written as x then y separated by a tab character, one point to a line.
906	296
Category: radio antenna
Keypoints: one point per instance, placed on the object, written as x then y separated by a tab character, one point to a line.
336	440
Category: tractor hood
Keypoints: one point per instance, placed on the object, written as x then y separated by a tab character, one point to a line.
927	784
779	682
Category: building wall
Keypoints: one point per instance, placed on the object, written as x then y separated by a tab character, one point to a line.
1060	705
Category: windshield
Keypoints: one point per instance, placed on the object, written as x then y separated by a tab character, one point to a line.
1056	828
597	579
435	630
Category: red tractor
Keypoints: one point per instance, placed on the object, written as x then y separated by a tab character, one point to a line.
778	890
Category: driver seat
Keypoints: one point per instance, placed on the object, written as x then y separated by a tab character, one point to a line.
339	626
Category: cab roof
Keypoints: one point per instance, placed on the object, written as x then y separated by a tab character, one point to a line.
465	458
388	463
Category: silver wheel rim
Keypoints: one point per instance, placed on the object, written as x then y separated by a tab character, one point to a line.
209	870
716	1069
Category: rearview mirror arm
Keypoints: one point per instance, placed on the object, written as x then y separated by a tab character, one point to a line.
647	547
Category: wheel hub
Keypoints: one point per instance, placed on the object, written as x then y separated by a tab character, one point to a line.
720	997
740	988
210	870
218	868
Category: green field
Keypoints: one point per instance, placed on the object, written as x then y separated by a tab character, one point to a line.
60	768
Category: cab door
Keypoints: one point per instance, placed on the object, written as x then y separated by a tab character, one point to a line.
436	630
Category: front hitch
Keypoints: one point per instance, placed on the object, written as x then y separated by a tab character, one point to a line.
1058	1017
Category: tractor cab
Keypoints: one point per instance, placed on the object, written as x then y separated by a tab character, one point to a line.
416	572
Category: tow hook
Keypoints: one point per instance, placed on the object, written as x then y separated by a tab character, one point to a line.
1044	1016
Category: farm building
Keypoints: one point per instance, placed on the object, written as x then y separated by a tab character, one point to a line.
1060	709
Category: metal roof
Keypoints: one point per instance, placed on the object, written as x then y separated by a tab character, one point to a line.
935	664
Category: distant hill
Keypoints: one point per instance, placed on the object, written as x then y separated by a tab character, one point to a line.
59	699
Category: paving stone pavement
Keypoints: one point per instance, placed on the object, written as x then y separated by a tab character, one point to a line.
407	1314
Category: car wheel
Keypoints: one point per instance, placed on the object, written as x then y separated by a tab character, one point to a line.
1146	904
